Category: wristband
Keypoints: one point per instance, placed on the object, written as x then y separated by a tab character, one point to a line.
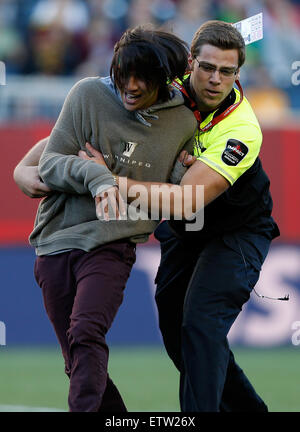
116	180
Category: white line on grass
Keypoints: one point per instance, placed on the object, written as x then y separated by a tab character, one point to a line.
24	408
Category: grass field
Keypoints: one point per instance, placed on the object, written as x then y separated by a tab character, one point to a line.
33	379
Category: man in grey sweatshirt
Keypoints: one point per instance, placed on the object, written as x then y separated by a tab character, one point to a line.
83	263
27	179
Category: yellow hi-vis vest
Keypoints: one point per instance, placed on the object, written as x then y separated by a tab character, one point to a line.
231	146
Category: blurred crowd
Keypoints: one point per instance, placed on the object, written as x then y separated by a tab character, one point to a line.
76	37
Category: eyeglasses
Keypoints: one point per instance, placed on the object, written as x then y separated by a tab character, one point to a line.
225	72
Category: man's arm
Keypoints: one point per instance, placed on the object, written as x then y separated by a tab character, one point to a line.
26	173
183	161
59	166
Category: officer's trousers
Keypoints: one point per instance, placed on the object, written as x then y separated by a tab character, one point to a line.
200	292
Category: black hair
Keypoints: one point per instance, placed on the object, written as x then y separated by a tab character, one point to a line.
154	56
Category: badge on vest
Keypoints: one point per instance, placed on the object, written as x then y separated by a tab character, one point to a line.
128	148
234	152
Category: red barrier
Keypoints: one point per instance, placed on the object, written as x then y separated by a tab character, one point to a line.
17	210
281	158
280	154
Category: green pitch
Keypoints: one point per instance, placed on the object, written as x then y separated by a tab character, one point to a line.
33	379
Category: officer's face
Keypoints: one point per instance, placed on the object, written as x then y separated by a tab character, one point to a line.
136	95
213	73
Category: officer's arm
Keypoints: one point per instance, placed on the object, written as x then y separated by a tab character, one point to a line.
201	174
184	201
153	195
26	173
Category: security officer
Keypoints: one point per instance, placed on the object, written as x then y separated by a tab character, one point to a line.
206	276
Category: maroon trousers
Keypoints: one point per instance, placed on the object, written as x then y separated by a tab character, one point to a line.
82	293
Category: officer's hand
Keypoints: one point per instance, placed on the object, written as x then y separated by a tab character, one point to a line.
28	180
110	205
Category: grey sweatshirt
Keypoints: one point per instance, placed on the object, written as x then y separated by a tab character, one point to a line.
142	146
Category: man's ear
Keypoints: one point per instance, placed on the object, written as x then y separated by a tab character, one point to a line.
237	76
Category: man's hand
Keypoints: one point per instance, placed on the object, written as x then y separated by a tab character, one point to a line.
96	155
28	180
186	159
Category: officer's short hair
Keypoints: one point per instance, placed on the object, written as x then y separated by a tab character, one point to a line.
220	34
154	56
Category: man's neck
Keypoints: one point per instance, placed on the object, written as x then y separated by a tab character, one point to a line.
204	110
202	107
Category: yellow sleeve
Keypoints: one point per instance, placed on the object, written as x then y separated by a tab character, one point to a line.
231	150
